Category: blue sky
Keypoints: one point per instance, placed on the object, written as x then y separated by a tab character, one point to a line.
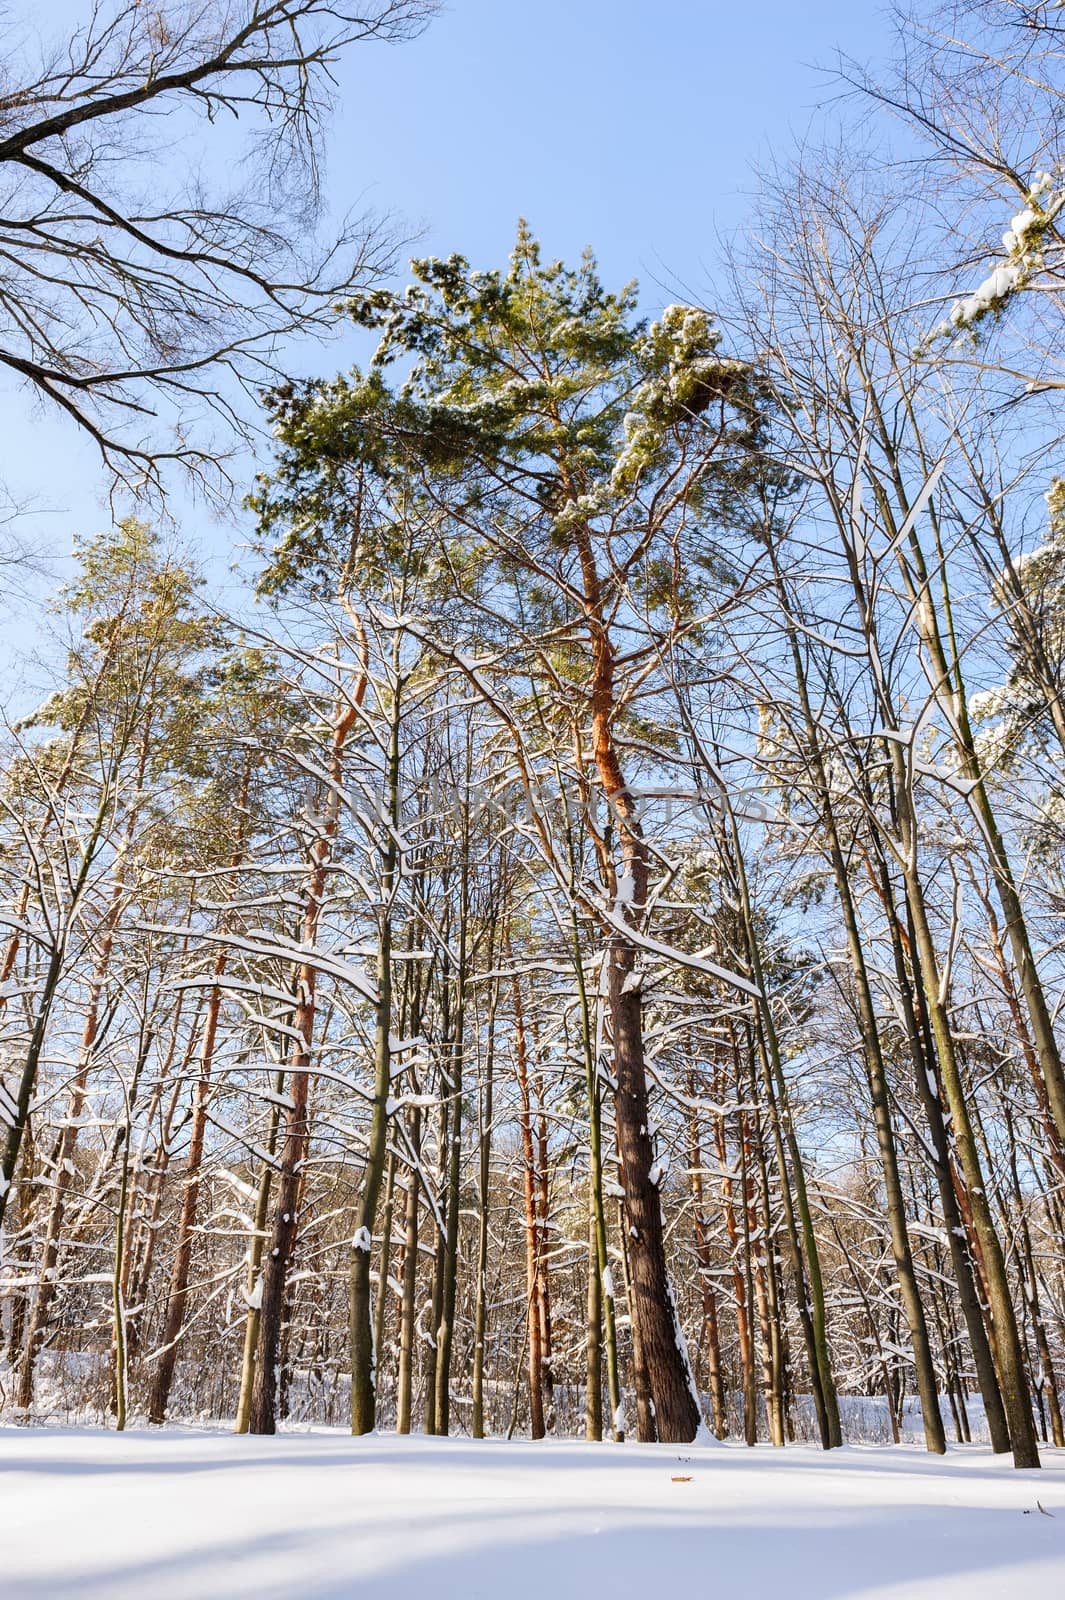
628	126
623	124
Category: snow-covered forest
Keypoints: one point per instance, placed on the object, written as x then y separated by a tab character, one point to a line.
567	940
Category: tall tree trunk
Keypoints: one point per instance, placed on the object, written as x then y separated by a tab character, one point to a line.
677	1416
409	1305
532	1246
543	1262
657	1331
480	1316
806	1258
384	1269
926	1076
876	1074
363	1355
945	677
1010	1361
767	1277
750	1384
456	1043
147	1228
439	1245
296	1130
256	1247
704	1258
179	1280
1026	1257
593	1356
739	1277
63	1172
16	1108
590	1047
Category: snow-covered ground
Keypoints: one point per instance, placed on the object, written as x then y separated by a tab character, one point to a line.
105	1516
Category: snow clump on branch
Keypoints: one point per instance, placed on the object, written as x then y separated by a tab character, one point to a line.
684	374
1023	244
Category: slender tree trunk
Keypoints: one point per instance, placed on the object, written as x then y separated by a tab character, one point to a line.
445	1327
750	1383
949	688
142	1246
363	1354
898	1227
1010	1361
1026	1256
812	1311
872	1056
137	1252
179	1281
480	1317
19	1108
590	1050
266	1380
926	1077
532	1249
63	1172
593	1364
766	1277
409	1306
120	1355
256	1246
739	1277
439	1250
384	1268
543	1265
704	1259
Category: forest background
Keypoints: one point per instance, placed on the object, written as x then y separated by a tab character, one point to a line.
534	891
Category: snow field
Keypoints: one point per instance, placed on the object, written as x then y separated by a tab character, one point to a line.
95	1515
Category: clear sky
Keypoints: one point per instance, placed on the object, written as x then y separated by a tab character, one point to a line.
627	125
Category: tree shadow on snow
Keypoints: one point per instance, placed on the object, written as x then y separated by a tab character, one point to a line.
518	1552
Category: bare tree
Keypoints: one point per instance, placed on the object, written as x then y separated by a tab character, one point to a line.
146	306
